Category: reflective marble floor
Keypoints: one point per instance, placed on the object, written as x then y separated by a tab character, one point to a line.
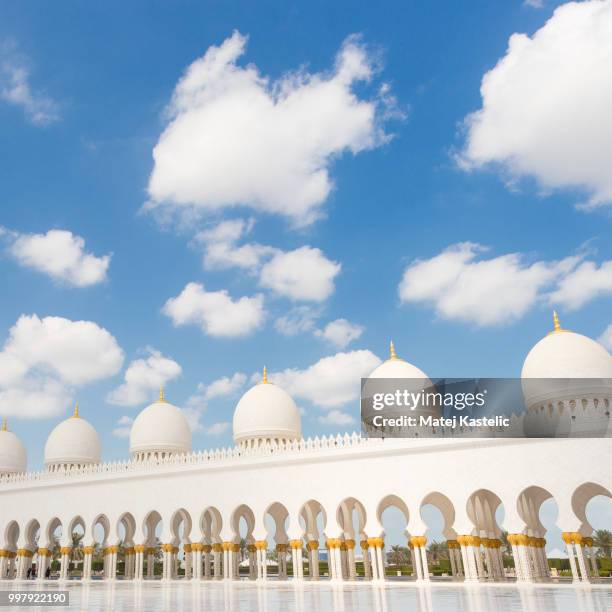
274	596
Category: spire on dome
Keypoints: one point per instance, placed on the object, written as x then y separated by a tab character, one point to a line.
162	397
4	424
556	321
392	353
264	380
75	415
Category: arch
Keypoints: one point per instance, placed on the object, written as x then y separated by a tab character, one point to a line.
389	501
32	534
211	524
100	522
151	524
11	536
52	526
243	513
482	507
528	506
127	522
280	516
581	497
77	521
351	517
446	508
314	517
180	518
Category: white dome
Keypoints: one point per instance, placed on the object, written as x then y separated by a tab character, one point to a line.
266	412
395	367
73	442
565	355
12	453
160	428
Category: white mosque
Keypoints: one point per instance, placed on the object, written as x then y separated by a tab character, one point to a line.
324	497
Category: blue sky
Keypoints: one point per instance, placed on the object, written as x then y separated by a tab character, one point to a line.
85	97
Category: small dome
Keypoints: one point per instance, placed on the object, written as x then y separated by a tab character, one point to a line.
395	367
12	452
74	442
160	429
266	412
566	355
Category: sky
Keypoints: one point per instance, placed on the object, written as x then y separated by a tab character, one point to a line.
192	190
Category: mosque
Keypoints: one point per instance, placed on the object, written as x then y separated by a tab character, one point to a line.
311	498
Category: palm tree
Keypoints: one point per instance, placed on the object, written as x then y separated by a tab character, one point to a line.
437	551
603	542
77	549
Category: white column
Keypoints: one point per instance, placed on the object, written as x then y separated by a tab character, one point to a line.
367	566
313	559
350	556
584	573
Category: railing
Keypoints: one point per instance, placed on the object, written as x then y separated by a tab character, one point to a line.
203	457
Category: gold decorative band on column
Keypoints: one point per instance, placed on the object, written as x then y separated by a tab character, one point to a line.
586	541
110	550
452	544
333	543
151	550
217	547
261	544
295	544
281	548
171	548
130	550
187	548
468	540
491	542
572	537
42	552
139	548
364	545
195	547
25	552
227	545
376	542
65	550
418	540
4	553
312	544
88	550
251	548
236	547
349	544
206	548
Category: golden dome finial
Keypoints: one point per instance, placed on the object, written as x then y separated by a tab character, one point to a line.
75	414
4	424
556	321
162	397
264	380
392	353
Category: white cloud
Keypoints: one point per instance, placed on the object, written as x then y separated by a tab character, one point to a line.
235	137
606	338
196	404
304	274
15	89
298	320
215	312
546	105
217	429
336	417
340	332
44	360
486	291
143	378
221	250
124	426
587	282
534	3
61	255
330	382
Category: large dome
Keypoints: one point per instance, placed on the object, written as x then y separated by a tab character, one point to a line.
74	442
160	429
266	412
12	452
